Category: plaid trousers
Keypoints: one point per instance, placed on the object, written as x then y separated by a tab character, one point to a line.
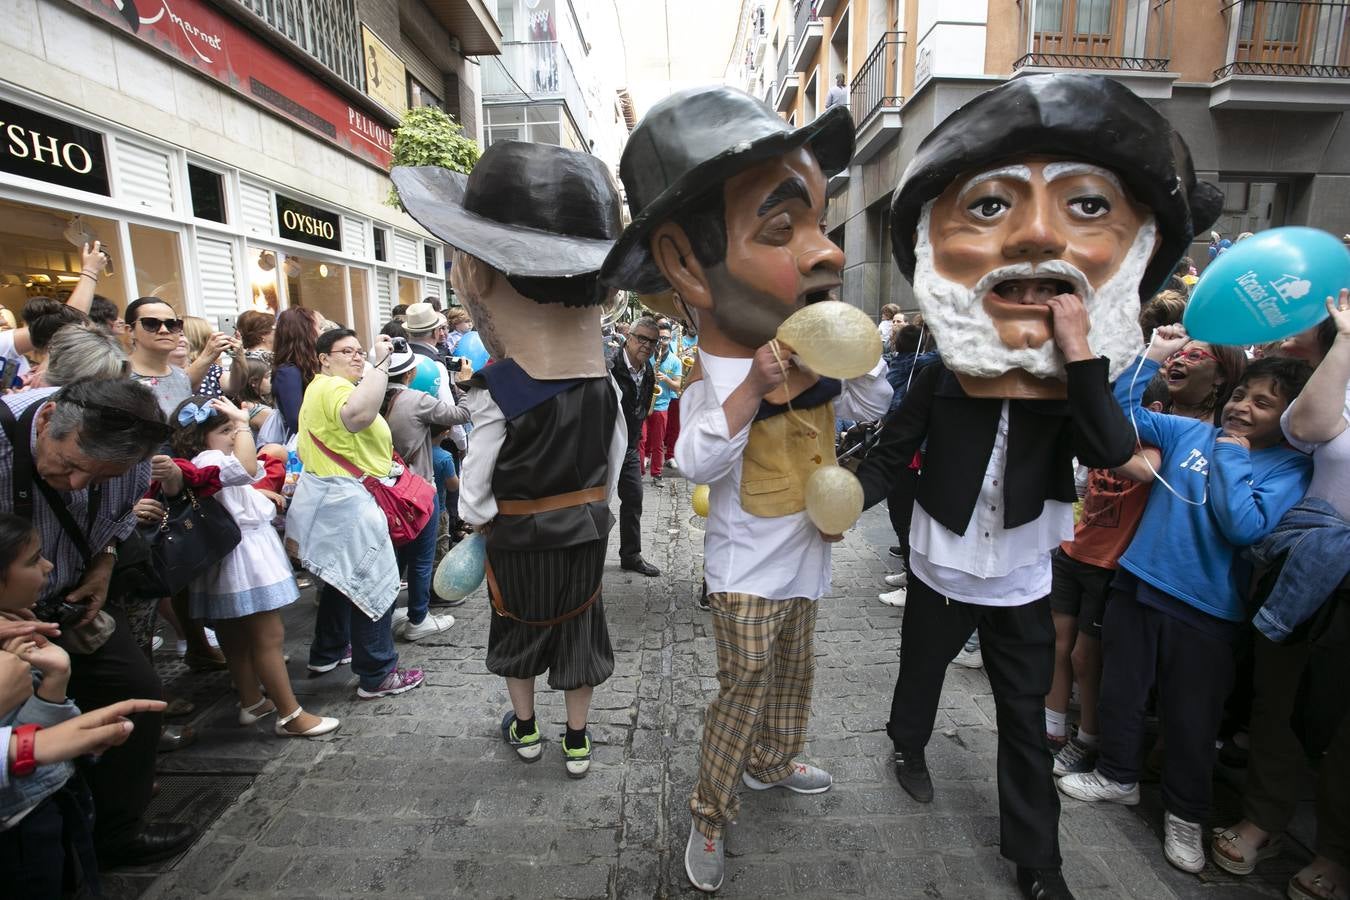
766	666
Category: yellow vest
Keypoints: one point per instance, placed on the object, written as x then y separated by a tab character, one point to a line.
781	455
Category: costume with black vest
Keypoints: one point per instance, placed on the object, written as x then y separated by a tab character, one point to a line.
635	398
545	450
996	485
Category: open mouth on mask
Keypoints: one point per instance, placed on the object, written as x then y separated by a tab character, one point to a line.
1036	291
817	294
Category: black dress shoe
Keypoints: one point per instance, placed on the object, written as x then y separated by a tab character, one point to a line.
155	841
912	773
639	565
1042	884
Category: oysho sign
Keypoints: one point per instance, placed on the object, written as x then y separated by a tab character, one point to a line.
43	147
307	224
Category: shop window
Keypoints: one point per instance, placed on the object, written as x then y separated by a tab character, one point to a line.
360	279
381	245
208	193
40	256
318	285
263	289
159	270
409	290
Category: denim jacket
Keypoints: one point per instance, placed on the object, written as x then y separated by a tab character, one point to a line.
1317	541
19	795
342	536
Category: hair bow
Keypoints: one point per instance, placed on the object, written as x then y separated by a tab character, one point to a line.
192	414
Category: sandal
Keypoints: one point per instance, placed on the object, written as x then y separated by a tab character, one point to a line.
1320	886
1227	844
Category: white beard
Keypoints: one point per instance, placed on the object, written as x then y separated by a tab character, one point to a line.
969	342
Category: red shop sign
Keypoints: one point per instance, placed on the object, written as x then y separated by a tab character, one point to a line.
195	34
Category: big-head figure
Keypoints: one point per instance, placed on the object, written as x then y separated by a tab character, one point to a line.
1046	185
728	202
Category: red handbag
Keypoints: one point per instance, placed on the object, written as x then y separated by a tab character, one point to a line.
407	504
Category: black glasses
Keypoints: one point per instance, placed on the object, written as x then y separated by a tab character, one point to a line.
650	342
154	325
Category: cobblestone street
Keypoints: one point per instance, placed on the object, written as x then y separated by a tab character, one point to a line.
417	796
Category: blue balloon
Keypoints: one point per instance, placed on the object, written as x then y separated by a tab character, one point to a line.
1272	285
462	570
471	348
428	377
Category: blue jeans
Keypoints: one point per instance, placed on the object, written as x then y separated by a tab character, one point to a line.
338	623
443	466
419	558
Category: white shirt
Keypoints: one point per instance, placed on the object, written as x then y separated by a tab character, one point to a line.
477	504
777	558
7	351
990	565
1331	461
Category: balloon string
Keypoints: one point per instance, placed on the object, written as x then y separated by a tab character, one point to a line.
1134	379
791	413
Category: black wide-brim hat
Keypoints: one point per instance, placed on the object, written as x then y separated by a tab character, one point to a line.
1089	118
534	210
694	140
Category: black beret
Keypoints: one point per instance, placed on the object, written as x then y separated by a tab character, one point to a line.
1090	118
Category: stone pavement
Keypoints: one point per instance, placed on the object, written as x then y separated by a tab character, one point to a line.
417	796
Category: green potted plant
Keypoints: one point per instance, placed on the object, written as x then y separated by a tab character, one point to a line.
428	136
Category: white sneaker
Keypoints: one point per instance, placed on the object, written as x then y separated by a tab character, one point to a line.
155	643
432	624
1093	788
899	579
400	620
894	598
970	658
211	638
1183	844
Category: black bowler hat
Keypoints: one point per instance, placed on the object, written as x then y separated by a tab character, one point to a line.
534	210
1084	117
696	139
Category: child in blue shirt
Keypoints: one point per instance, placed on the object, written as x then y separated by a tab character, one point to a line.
1177	605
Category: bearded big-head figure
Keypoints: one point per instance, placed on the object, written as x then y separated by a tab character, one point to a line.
1046	185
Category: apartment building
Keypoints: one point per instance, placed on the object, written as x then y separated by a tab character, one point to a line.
1258	88
230	154
559	78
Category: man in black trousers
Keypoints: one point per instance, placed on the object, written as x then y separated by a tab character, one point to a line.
632	370
1020	228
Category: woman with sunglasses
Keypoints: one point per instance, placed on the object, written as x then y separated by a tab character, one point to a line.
155	331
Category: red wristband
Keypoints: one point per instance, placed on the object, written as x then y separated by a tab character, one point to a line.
24	762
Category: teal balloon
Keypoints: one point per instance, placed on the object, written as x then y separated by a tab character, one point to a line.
471	348
428	377
462	570
1272	285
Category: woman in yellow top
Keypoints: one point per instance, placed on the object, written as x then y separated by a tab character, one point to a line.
341	532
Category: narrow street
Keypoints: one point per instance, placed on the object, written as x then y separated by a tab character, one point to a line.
418	797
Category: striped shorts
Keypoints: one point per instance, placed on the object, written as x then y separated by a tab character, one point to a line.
542	585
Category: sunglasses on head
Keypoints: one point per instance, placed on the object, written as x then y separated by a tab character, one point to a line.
112	417
154	325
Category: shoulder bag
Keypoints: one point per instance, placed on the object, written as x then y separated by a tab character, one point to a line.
194	534
407	504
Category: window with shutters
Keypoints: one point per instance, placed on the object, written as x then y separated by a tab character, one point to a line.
216	276
144	176
255	202
405	252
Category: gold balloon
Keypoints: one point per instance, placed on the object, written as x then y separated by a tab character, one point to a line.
834	499
833	339
699	500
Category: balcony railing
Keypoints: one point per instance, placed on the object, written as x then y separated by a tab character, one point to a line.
877	84
804	15
1096	34
535	70
1300	38
784	61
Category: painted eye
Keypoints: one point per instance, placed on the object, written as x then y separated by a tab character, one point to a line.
988	208
1090	207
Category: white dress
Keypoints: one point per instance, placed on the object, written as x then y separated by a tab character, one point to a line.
256	576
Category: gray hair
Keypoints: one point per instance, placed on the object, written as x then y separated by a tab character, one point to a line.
116	420
646	322
77	352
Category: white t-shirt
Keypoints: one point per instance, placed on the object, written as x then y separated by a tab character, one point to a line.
1331	462
7	351
777	558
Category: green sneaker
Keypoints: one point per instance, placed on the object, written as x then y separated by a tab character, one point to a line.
528	747
578	761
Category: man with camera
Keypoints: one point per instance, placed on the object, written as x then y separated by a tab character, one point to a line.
75	461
